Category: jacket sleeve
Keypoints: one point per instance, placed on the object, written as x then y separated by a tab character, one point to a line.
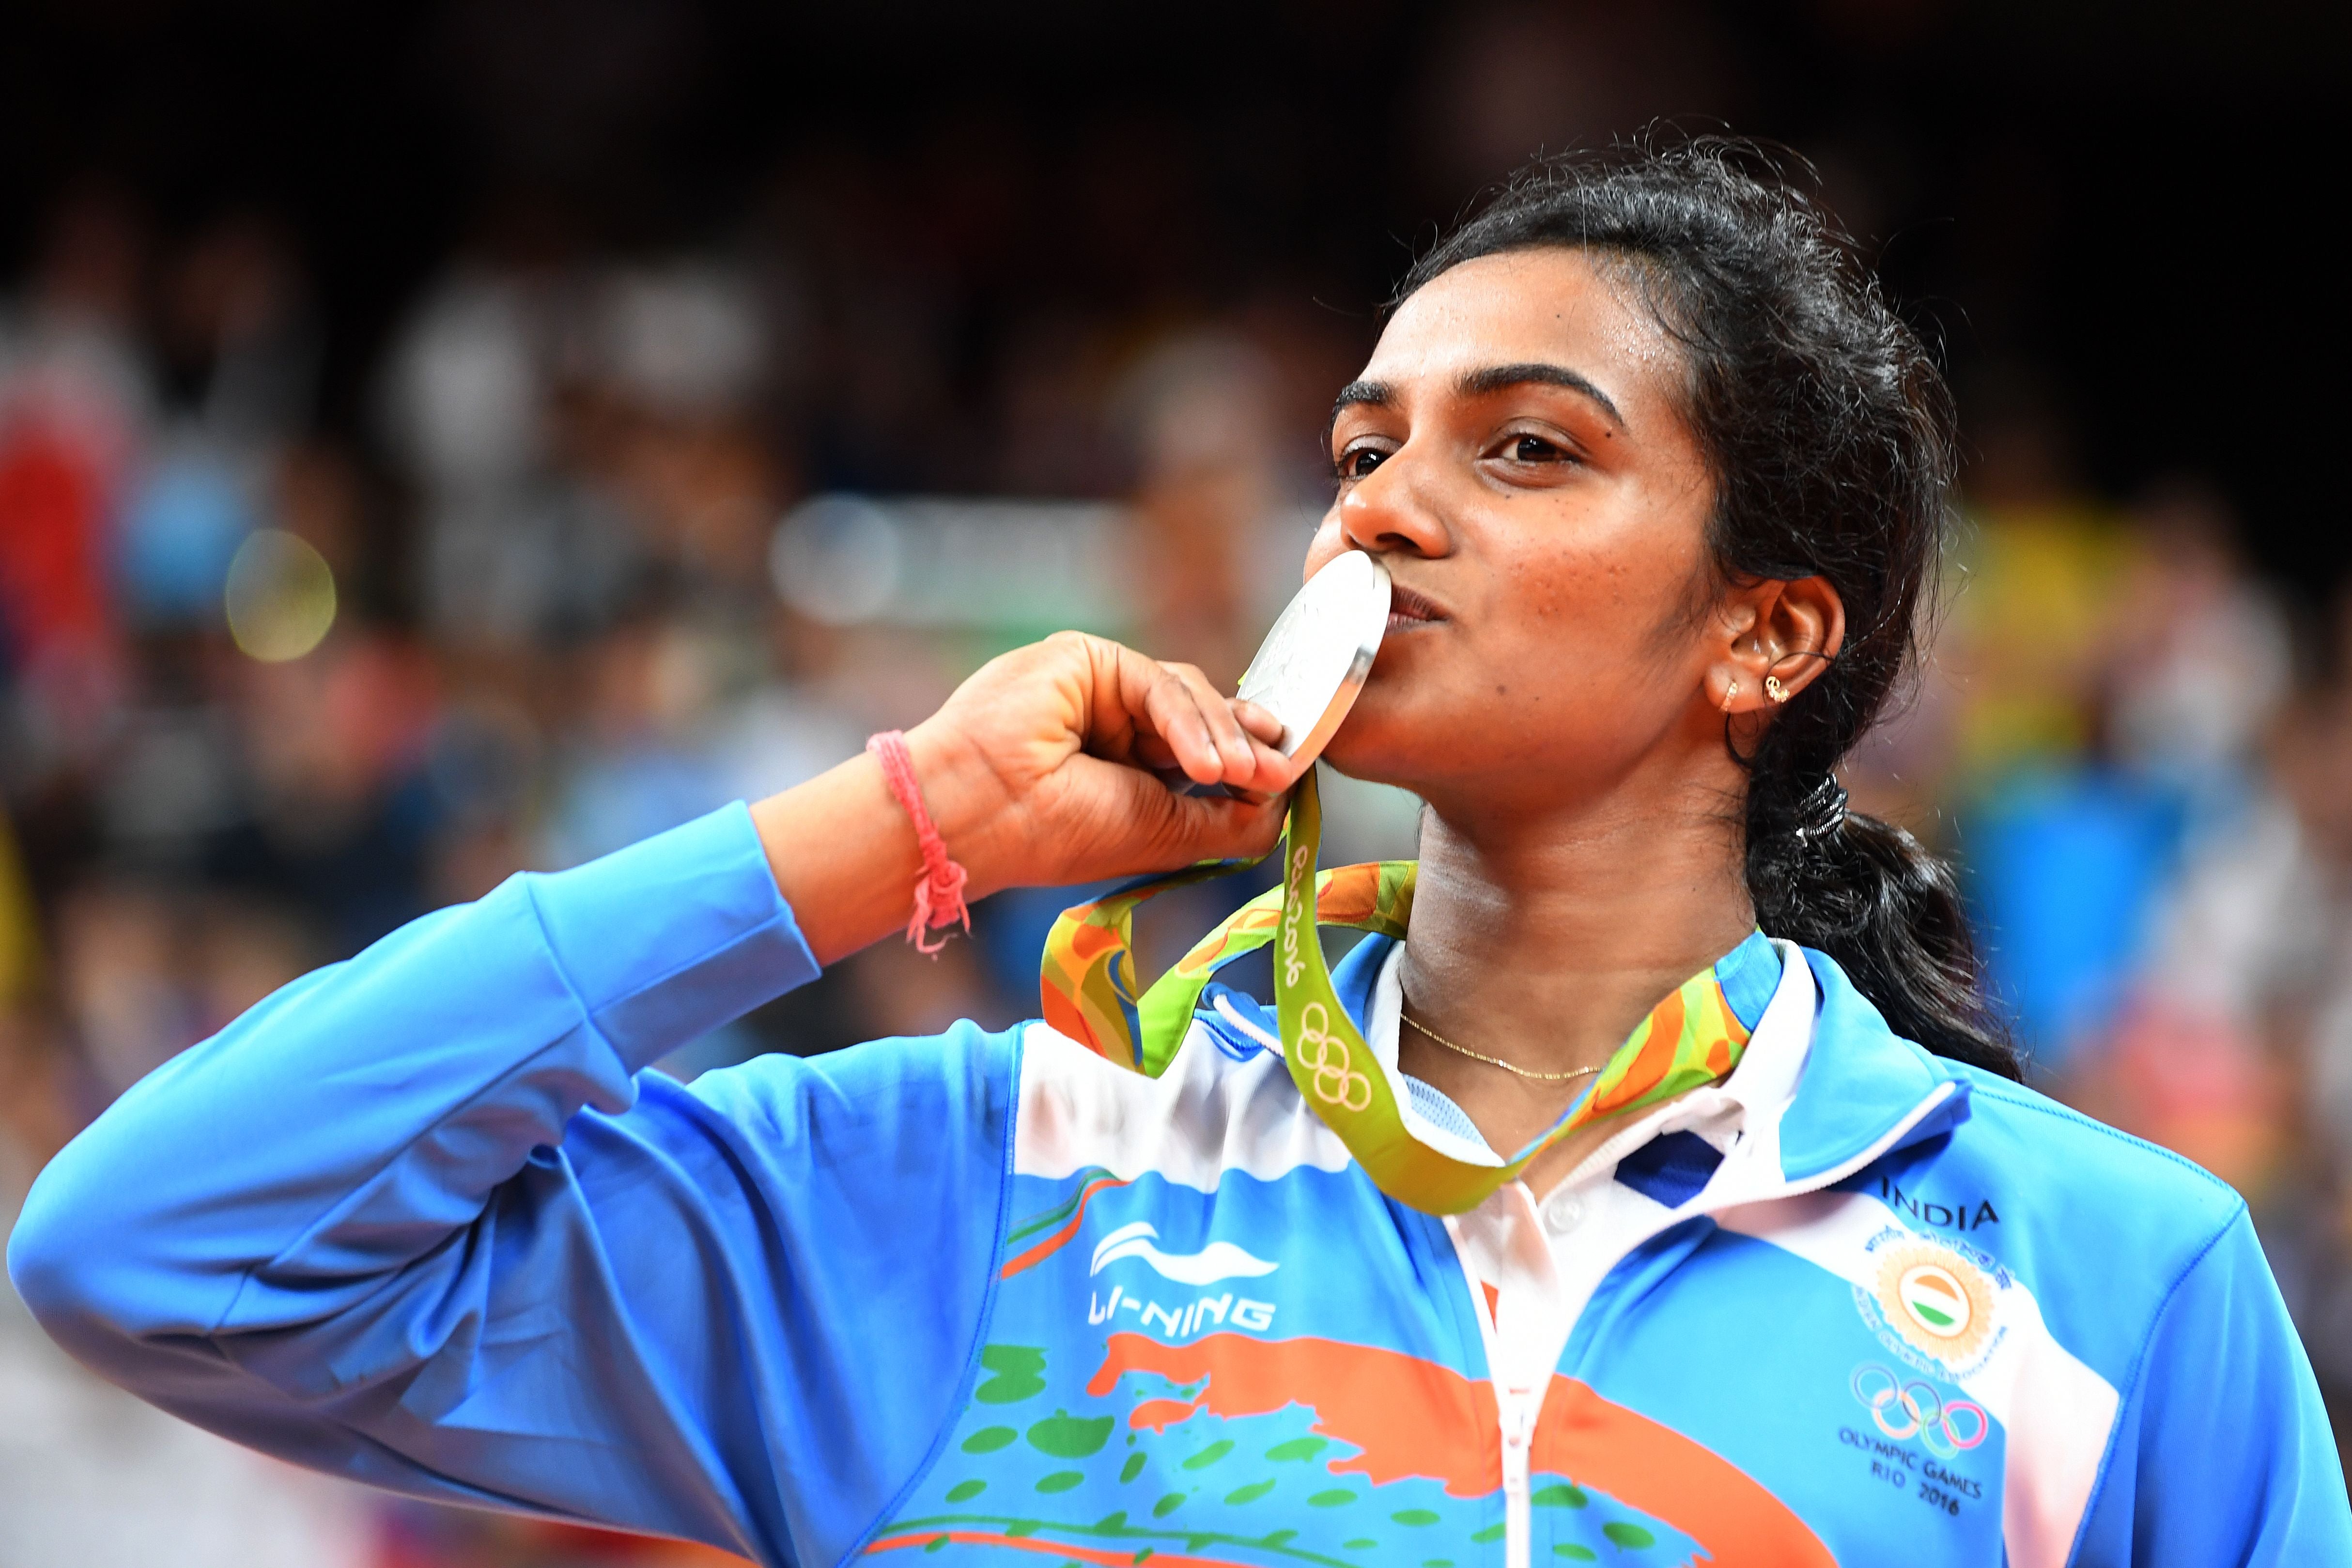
2222	1453
415	1219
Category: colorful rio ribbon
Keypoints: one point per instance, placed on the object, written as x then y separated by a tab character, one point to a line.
1089	993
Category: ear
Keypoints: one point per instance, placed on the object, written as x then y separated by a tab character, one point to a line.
1785	633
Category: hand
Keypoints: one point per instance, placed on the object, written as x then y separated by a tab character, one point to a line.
1039	763
1036	772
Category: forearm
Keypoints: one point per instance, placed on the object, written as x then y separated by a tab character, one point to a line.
351	1122
844	851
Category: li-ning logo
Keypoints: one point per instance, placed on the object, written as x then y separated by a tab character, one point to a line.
1218	1260
1328	1058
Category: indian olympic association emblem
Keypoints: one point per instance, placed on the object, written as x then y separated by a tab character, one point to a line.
1935	1304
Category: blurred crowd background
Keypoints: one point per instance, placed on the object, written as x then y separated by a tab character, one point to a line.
441	440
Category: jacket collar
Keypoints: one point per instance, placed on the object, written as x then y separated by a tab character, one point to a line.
1846	1088
1861	1082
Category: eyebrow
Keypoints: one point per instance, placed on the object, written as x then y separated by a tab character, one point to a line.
1357	394
1477	383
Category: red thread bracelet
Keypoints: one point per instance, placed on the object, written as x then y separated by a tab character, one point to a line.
939	891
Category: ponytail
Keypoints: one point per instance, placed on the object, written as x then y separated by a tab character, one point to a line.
1830	433
1867	893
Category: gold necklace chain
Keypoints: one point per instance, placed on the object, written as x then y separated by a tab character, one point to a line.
1496	1061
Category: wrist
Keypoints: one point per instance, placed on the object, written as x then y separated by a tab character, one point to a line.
848	857
967	800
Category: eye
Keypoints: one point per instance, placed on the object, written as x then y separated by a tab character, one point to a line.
1525	448
1358	461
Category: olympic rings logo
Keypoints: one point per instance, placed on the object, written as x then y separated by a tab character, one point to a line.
1328	1058
1914	1409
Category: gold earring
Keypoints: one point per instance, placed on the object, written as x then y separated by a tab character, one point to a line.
1774	690
1729	692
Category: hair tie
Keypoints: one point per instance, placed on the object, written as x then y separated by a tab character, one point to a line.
1823	810
939	891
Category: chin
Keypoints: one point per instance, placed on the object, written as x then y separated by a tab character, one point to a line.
1382	743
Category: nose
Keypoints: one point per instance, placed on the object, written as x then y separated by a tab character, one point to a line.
1390	510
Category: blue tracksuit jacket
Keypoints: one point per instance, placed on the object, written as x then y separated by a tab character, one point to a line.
419	1219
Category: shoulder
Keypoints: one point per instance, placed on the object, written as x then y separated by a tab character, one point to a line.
2057	1163
2100	1227
2090	1167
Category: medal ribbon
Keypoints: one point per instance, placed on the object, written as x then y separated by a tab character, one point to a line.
1089	994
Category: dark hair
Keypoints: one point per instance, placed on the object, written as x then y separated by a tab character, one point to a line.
1830	433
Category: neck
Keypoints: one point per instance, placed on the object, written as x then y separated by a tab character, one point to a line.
1545	938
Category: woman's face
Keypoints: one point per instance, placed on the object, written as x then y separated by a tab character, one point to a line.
1517	454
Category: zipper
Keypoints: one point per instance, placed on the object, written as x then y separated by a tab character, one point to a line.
1513	1414
1518	1408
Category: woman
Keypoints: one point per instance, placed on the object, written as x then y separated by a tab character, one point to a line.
1658	479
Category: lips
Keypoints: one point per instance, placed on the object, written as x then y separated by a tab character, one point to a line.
1408	608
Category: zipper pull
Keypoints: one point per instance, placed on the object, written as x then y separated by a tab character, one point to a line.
1515	1443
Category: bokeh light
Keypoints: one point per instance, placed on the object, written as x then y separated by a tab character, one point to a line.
280	597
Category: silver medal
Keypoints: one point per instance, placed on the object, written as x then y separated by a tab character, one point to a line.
1315	660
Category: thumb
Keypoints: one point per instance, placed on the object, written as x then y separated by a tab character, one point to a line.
1216	828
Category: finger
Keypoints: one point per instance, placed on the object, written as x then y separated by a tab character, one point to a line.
1258	763
1116	680
1116	722
1233	741
1150	713
1174	710
1211	827
1260	721
1272	769
1274	773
